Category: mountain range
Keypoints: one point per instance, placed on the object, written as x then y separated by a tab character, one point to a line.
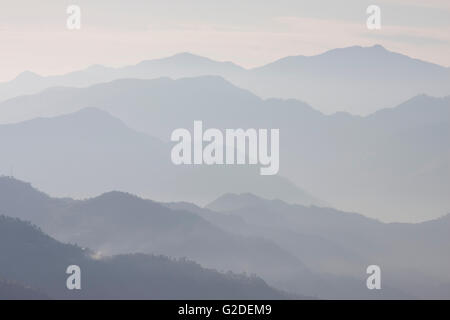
364	180
359	80
119	223
29	256
71	149
413	257
400	154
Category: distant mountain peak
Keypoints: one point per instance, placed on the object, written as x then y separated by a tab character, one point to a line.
90	115
116	195
90	111
245	195
27	75
419	103
188	55
359	51
17	186
192	60
233	201
121	199
96	67
86	115
184	57
378	47
367	48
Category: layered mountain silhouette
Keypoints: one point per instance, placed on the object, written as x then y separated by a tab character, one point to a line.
363	129
118	223
400	154
27	255
414	257
359	80
62	153
355	79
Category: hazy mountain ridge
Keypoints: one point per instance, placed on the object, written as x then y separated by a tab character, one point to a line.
399	154
118	223
355	79
414	256
386	156
90	143
29	256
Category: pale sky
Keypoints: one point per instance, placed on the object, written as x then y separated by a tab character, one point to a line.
34	37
